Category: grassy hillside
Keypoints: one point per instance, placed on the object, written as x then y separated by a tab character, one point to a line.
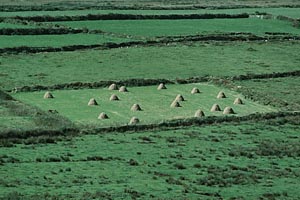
181	61
151	28
155	104
239	161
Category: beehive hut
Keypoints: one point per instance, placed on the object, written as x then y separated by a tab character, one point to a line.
136	107
215	108
114	97
228	110
92	102
199	113
238	101
175	104
48	95
113	87
103	116
195	90
123	89
134	120
221	95
162	86
179	97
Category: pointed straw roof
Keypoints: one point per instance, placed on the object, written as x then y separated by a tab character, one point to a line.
238	101
113	87
92	102
162	86
179	97
175	104
195	90
48	95
215	108
123	89
134	120
103	116
199	113
228	110
221	95
114	97
136	107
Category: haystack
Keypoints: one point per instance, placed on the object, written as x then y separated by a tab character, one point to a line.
123	89
113	87
48	95
162	86
238	101
195	91
228	110
179	97
92	102
221	95
215	108
134	120
103	116
175	104
199	113
136	107
114	97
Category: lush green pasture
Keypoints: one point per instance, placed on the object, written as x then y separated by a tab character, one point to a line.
282	92
8	25
245	161
155	104
57	40
180	61
291	12
152	28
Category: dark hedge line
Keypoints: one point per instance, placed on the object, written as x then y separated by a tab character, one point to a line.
158	41
40	31
148	82
14	134
113	16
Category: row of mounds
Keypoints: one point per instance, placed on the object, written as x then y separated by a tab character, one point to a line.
175	104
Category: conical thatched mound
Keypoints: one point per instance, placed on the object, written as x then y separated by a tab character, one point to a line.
179	97
221	95
175	104
136	107
162	86
48	95
123	89
215	108
114	98
238	101
113	87
103	116
199	113
228	110
92	102
134	120
195	91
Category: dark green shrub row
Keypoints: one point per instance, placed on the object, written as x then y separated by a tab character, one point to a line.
116	16
39	31
266	76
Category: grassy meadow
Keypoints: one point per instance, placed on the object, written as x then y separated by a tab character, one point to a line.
155	104
13	26
154	28
58	40
170	62
237	161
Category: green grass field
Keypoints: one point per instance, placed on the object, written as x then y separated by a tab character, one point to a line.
58	40
290	12
155	104
152	28
245	161
9	25
283	91
199	59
